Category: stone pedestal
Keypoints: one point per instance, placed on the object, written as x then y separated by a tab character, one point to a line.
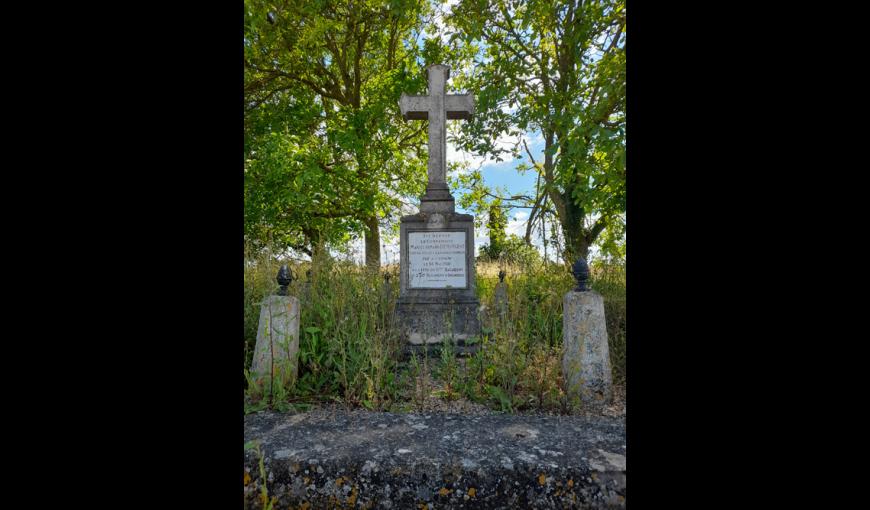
586	357
277	339
438	301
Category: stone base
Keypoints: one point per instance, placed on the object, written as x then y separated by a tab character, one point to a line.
437	199
460	348
431	322
586	356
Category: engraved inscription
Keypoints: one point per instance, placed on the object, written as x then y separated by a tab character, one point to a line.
436	260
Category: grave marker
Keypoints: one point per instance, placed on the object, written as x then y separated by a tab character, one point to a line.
277	349
436	279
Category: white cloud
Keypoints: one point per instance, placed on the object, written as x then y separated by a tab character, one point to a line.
517	224
473	161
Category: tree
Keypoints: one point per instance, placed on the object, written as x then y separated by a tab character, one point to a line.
496	226
326	150
557	67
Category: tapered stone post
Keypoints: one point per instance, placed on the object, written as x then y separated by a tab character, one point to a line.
277	348
586	356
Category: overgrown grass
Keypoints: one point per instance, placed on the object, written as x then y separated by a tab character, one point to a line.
349	347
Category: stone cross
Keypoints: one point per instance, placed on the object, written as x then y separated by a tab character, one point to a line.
437	107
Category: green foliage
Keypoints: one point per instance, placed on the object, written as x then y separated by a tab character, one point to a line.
267	502
556	67
328	158
501	397
513	250
326	151
496	227
349	348
448	371
521	352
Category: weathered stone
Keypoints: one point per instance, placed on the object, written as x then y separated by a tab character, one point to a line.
277	339
437	107
443	461
438	301
586	356
428	315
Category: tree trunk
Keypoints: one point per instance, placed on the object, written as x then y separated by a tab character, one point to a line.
319	254
373	243
576	245
576	239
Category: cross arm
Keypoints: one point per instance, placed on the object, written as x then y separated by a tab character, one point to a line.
457	106
414	107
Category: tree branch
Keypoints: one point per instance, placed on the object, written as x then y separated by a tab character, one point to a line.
596	229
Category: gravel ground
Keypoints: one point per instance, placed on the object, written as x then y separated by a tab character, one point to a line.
435	402
330	458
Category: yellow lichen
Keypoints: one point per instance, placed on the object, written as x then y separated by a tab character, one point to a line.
472	491
444	491
571	483
247	479
351	500
305	505
339	481
542	479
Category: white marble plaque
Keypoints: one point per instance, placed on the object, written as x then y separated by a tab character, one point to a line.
436	260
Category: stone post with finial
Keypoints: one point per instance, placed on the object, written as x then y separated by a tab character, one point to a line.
277	349
585	353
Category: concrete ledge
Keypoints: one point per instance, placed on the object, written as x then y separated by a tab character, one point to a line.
359	459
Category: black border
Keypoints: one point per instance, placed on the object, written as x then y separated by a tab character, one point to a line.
148	141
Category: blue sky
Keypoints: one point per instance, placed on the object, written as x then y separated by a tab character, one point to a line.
502	177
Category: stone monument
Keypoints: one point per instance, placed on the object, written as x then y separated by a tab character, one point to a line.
277	345
586	356
437	298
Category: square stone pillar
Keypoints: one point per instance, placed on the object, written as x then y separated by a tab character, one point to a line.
586	355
